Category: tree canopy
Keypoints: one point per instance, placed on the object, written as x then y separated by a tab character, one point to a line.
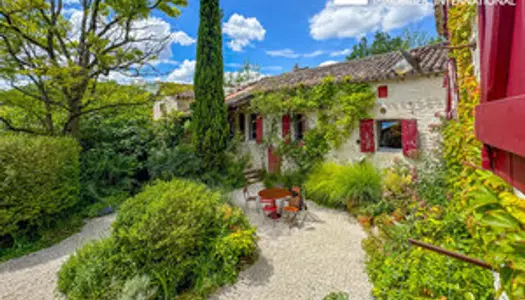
53	59
383	43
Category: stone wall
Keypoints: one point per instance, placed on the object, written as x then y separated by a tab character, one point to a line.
415	98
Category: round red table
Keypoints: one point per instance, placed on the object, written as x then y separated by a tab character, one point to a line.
274	194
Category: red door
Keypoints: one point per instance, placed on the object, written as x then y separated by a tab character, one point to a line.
501	114
274	161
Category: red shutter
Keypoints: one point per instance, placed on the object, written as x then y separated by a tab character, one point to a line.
286	128
274	161
259	130
499	117
409	136
366	134
382	91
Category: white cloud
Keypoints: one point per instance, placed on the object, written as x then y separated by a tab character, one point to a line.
155	33
170	62
184	73
71	2
344	52
182	38
243	31
329	62
122	78
336	21
288	53
314	54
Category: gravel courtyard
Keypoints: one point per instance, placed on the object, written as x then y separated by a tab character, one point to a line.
323	256
307	263
33	277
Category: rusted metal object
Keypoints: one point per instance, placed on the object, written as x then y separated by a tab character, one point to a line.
455	255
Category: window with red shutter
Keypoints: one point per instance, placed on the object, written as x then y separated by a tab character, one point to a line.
382	91
409	136
285	124
252	133
259	131
389	135
366	135
499	117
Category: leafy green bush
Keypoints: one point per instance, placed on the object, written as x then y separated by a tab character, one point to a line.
115	145
417	199
180	234
166	163
334	185
39	179
401	271
337	296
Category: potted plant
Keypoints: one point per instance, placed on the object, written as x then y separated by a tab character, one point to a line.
365	217
399	214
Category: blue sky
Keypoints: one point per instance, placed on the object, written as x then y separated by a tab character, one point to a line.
276	34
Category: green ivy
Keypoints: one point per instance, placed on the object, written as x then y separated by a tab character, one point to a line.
495	217
338	106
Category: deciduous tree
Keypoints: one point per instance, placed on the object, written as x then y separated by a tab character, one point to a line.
55	59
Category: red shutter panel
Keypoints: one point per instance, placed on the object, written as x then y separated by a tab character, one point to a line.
499	116
382	91
286	128
366	135
409	136
274	161
259	130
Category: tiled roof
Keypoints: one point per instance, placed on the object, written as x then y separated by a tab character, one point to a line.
185	95
431	59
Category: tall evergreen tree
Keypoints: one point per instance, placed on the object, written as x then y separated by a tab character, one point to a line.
210	120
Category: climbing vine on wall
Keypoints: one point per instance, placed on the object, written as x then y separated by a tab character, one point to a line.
496	217
337	106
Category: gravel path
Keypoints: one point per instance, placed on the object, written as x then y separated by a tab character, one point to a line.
307	263
33	277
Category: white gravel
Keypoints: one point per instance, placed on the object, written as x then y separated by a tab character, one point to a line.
303	263
33	277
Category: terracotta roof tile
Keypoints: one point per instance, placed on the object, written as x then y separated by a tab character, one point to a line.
432	59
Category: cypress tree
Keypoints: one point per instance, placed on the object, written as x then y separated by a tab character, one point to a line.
210	120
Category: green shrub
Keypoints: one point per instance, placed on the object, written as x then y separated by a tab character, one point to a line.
180	234
334	185
337	296
138	288
401	271
39	179
115	145
166	163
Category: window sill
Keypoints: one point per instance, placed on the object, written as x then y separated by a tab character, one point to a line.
390	150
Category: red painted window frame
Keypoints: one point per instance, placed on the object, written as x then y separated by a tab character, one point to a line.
285	124
409	136
259	133
382	91
500	115
367	136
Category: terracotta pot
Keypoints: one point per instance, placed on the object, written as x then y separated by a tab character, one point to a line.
398	215
365	221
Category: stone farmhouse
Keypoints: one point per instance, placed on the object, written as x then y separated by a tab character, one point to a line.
410	99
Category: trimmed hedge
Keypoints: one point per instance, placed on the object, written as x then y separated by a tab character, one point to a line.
180	236
39	178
